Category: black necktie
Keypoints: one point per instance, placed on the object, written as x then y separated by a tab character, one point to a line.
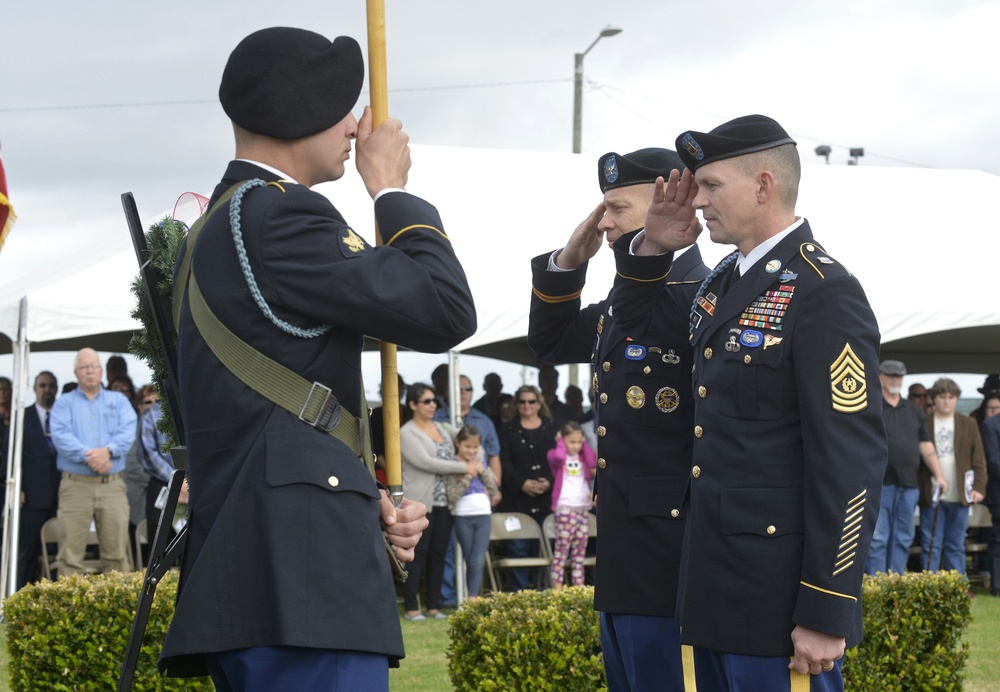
731	277
48	431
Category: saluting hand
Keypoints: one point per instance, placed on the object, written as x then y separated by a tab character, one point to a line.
403	525
383	156
671	223
584	242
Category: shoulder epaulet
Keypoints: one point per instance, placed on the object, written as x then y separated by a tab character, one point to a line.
818	259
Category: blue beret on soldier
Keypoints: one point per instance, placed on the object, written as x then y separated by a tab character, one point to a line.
746	135
642	166
290	83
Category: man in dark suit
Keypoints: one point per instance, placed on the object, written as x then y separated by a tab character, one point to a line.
285	579
637	339
789	448
39	478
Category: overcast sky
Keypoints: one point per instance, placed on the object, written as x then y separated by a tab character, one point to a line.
105	97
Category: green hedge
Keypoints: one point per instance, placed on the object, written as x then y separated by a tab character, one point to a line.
914	625
72	634
550	640
531	641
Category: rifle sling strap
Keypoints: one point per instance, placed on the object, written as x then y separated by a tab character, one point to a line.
312	402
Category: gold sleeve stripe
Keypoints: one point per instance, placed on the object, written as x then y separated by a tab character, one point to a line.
848	537
840	555
416	225
838	571
858	497
843	559
831	593
645	281
556	299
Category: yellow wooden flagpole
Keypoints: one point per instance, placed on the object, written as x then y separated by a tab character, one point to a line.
379	95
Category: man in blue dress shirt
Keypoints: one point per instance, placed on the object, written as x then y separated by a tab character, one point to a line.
92	429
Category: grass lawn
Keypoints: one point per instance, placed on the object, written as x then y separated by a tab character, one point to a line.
425	668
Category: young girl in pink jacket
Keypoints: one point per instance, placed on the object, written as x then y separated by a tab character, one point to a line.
573	463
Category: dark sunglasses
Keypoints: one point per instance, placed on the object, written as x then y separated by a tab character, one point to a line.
466	389
426	401
525	402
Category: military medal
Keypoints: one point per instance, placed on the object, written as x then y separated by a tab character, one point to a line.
635	397
667	400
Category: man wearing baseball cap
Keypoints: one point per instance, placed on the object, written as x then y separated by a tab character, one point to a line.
909	444
286	583
789	447
638	342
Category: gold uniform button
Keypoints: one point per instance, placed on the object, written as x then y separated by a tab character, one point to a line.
771	530
675	513
747	359
604	398
698	431
333	481
601	431
696	471
601	463
708	353
810	247
606	366
702	392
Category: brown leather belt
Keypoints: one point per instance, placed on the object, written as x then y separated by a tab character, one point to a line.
93	479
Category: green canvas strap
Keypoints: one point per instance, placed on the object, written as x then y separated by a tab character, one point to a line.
312	402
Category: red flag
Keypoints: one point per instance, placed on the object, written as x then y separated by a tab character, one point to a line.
7	215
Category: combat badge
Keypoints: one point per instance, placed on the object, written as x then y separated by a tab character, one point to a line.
733	344
635	352
848	387
351	242
751	338
771	340
670	357
635	397
667	400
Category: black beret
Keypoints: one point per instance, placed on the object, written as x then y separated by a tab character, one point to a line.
291	83
745	135
643	166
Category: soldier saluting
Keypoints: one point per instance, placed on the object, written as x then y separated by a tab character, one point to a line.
789	448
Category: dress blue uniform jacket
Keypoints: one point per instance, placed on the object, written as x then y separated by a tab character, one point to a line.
789	454
637	339
284	544
39	475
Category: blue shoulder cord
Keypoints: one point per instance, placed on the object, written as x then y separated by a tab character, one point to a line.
234	222
719	268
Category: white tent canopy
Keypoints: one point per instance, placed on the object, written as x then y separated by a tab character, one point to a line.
928	274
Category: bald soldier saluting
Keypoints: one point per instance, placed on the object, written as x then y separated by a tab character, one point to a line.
789	448
285	583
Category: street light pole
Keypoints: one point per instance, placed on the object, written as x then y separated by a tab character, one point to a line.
578	84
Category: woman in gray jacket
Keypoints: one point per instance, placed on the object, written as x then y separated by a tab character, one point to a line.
428	456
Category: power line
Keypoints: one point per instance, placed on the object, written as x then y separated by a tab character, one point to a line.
198	102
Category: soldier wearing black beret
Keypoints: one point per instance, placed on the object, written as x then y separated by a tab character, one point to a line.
789	449
285	582
638	342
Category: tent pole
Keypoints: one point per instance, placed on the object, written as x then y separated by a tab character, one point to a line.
12	506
